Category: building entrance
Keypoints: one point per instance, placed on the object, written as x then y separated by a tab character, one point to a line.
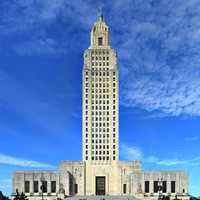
100	185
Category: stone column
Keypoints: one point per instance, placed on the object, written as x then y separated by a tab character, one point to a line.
151	186
49	186
39	185
177	183
31	185
168	186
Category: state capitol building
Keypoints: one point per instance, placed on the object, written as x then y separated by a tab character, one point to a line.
100	172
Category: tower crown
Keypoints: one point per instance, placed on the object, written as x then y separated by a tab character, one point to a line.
100	34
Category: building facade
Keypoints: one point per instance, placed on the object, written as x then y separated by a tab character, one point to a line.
100	172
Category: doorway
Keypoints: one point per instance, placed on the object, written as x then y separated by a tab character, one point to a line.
100	185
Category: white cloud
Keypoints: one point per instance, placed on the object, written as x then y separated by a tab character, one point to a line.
157	44
9	160
172	162
135	153
131	152
192	139
160	52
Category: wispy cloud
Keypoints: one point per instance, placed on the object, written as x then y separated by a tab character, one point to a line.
131	153
157	44
192	139
172	162
159	50
134	153
41	26
5	184
9	160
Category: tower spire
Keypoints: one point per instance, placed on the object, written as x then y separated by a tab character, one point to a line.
100	13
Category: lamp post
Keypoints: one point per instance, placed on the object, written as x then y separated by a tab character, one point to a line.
160	188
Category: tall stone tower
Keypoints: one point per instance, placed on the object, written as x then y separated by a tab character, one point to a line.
100	172
100	98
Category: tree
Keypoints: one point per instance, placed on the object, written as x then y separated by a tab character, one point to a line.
2	197
176	198
166	197
23	196
18	196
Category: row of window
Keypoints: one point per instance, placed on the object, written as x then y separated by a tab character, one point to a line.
101	102
43	187
96	113
100	58
100	113
100	146
104	113
100	118
99	107
99	124
99	135
99	64
101	158
99	52
99	90
162	187
100	73
100	79
100	84
100	96
104	107
104	68
100	130
156	187
100	152
105	95
98	141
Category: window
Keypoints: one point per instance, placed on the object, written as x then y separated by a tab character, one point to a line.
27	186
164	189
44	186
100	41
155	184
76	188
124	188
173	186
53	186
146	187
35	187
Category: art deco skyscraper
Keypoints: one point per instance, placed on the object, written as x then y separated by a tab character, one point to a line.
100	98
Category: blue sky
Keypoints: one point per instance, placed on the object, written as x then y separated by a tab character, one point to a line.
41	48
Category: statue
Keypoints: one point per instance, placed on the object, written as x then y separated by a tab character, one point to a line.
61	192
139	190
